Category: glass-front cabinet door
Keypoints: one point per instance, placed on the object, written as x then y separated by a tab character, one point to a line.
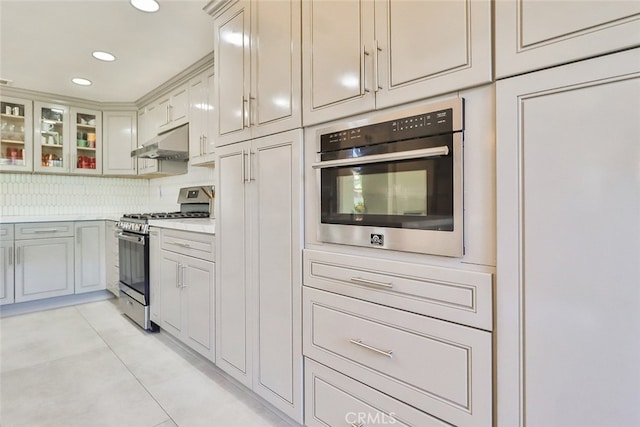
86	142
51	138
16	140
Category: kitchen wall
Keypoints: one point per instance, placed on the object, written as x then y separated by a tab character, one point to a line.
41	194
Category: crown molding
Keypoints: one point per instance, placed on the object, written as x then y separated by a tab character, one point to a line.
202	64
197	67
55	98
215	6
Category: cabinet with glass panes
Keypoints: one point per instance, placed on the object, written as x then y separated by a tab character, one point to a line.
86	148
51	138
16	142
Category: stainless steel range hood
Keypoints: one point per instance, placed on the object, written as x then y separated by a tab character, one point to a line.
170	145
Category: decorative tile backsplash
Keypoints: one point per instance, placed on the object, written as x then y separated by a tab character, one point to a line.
163	192
40	194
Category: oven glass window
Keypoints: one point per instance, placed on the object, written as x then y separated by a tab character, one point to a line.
415	194
134	261
393	193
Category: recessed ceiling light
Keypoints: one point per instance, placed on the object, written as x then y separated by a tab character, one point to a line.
146	5
80	81
103	56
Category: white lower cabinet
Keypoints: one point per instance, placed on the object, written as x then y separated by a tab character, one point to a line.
44	265
440	368
333	399
112	268
258	239
154	276
186	288
7	282
89	256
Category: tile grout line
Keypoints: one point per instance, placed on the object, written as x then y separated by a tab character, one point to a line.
127	368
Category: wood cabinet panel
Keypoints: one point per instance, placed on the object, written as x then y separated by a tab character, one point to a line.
184	288
333	399
89	256
257	69
421	361
43	268
532	35
120	138
463	297
7	278
258	232
567	152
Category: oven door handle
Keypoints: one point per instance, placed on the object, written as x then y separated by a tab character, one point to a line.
386	157
139	240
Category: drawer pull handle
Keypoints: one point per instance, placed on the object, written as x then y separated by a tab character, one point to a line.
367	282
182	245
388	353
46	230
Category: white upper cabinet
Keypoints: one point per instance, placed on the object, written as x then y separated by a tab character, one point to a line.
174	109
361	56
232	56
257	69
16	138
425	48
201	116
52	151
337	42
149	121
120	139
86	141
533	34
275	67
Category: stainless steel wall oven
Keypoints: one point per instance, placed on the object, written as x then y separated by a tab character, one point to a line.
395	181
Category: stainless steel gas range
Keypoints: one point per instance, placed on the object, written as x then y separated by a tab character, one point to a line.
133	250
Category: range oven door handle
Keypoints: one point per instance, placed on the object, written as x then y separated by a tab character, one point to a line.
386	157
139	240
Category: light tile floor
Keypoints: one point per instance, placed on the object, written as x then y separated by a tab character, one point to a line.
87	365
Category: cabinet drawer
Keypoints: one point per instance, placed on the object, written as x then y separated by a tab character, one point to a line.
460	296
187	243
333	399
43	230
6	231
438	367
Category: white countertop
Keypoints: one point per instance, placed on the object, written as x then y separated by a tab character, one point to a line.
198	225
55	218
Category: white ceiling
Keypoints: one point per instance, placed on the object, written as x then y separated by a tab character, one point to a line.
44	44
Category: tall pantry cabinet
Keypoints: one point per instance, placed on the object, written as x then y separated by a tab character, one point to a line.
568	162
258	291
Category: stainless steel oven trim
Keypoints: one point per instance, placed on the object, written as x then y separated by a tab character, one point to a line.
445	243
133	238
388	157
133	294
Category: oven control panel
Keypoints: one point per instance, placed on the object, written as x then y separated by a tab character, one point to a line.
412	124
133	226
